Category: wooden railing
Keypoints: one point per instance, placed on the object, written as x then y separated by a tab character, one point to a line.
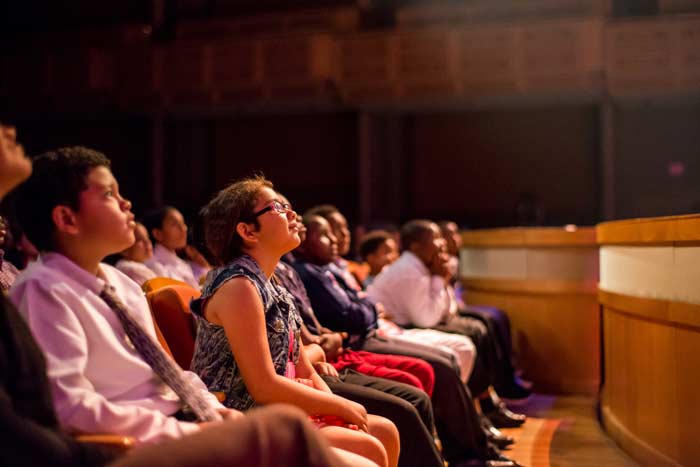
651	336
545	280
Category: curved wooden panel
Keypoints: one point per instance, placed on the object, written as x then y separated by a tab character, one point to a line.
656	230
545	279
530	237
651	328
649	399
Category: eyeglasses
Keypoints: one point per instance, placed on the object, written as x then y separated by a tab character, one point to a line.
273	205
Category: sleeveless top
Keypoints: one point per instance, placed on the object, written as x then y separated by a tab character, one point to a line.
213	359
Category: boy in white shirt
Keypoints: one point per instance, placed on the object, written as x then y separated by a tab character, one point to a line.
72	210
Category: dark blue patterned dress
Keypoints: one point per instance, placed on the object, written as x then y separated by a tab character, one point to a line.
213	360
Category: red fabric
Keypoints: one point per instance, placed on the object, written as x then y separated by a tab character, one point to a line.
409	370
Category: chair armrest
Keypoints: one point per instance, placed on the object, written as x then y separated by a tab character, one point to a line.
116	443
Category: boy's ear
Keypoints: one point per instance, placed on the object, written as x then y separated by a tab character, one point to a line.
246	232
64	219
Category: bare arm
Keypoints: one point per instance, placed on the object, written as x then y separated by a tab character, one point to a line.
238	308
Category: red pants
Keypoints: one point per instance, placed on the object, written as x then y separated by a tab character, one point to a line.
409	370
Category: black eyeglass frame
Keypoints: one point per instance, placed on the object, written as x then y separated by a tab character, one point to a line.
275	205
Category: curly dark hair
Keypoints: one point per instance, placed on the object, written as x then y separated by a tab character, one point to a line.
58	178
221	215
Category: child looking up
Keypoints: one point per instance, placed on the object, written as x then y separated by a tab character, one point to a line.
248	340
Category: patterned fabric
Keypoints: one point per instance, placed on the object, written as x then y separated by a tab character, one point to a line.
164	366
8	273
213	359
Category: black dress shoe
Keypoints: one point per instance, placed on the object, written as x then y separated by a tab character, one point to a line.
496	436
501	417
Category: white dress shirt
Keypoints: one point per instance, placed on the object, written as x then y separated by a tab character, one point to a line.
99	382
138	272
166	263
410	294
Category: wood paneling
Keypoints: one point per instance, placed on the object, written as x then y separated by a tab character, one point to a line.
555	321
430	14
655	55
649	400
531	237
656	230
555	335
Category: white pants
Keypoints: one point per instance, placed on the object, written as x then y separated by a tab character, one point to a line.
457	346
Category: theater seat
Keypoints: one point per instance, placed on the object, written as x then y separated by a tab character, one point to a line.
170	306
116	443
159	282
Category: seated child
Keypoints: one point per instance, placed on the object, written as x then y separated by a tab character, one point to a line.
378	248
248	342
33	436
169	233
132	261
71	209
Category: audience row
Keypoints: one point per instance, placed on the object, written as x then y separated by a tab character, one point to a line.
382	363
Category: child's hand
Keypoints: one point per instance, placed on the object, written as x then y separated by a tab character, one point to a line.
355	414
325	369
332	344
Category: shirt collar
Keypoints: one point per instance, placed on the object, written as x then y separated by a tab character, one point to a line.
69	268
164	255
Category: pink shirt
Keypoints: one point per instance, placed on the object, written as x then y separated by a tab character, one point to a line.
100	384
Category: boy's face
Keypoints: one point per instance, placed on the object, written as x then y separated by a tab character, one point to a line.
320	246
385	254
340	229
104	222
173	231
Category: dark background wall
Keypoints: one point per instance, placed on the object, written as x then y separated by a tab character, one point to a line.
474	166
651	137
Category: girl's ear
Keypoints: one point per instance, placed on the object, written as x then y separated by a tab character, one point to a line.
247	232
65	220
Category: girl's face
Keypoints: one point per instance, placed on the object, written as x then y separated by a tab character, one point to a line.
142	249
279	229
173	231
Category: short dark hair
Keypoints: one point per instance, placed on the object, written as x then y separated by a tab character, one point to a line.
371	242
57	179
153	218
221	215
414	231
323	210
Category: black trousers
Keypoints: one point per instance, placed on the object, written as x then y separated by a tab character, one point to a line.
492	365
408	407
457	422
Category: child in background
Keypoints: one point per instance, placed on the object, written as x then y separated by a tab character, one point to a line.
132	262
168	229
377	249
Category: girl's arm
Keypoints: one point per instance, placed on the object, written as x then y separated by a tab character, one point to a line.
237	307
306	370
